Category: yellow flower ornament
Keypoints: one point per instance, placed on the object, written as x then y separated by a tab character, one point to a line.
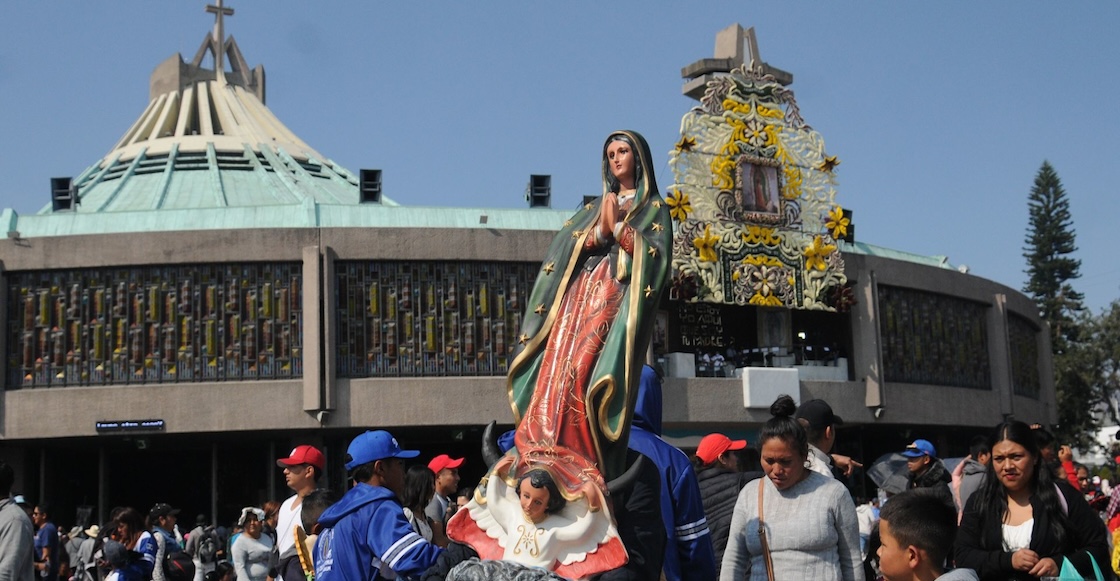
679	205
837	224
706	245
816	254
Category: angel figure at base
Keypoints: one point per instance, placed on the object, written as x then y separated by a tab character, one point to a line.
546	529
528	520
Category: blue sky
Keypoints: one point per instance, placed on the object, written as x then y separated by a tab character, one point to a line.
941	112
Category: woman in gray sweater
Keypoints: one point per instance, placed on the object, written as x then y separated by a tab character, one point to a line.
809	519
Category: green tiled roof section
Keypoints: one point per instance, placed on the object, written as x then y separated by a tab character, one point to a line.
192	189
309	214
304	215
872	250
213	179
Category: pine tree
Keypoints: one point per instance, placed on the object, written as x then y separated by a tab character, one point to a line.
1051	267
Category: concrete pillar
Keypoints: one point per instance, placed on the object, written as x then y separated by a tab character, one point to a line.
999	354
328	288
312	329
867	356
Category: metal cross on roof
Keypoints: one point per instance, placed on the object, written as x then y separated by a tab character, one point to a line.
219	11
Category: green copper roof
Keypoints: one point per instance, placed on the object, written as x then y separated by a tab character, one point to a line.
207	140
178	180
307	214
872	250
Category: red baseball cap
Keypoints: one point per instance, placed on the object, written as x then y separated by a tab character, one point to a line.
303	455
712	445
444	461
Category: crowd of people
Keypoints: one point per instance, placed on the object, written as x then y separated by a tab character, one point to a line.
1016	508
271	542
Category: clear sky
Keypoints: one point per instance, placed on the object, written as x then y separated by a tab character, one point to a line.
940	112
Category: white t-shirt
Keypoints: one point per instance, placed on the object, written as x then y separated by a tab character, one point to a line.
287	520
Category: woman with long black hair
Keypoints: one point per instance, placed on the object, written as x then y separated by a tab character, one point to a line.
1023	523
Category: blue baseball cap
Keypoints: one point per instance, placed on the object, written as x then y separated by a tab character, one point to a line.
375	445
919	448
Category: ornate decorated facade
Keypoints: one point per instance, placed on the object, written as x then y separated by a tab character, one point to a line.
754	200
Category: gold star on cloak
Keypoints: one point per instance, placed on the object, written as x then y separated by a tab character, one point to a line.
648	290
548	268
657	227
523	338
588	206
540	309
830	162
657	203
567	223
577	234
652	251
686	144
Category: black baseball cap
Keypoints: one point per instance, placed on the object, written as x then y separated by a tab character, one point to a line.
818	413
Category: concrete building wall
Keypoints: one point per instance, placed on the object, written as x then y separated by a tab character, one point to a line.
356	403
926	403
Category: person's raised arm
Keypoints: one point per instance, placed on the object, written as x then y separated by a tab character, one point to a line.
1065	455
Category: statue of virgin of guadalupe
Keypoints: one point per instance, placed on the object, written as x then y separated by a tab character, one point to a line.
573	383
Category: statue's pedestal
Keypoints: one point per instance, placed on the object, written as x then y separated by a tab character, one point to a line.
763	385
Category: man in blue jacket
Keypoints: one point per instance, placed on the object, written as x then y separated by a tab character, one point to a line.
688	552
366	535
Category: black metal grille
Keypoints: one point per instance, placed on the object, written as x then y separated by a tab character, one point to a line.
429	318
154	324
1024	356
933	339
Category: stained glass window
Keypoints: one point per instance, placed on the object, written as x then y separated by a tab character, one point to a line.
429	318
933	339
154	324
1024	356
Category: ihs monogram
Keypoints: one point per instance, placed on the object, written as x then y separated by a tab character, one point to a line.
527	541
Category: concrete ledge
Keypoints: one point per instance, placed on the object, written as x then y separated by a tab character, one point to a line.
186	407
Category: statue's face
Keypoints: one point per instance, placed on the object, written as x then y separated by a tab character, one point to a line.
533	501
620	158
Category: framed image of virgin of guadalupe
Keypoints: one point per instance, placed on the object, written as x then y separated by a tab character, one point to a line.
758	189
775	329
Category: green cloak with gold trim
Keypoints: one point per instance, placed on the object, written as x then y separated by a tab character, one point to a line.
610	395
